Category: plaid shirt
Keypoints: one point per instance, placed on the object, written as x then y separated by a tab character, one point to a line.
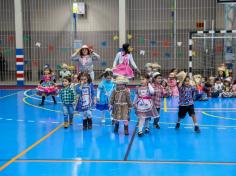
67	95
158	93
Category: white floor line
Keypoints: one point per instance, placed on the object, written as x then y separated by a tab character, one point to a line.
20	120
221	128
31	121
9	119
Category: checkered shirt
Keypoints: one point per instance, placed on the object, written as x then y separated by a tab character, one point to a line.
67	95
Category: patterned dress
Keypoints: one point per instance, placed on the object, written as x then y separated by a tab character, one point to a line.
47	86
121	103
143	102
86	96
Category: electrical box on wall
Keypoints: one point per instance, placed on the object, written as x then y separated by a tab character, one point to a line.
79	8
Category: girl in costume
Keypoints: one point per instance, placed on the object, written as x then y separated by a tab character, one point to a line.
173	85
121	63
47	86
158	94
87	99
143	104
85	57
104	91
121	104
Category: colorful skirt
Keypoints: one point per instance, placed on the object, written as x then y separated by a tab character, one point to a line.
47	90
123	70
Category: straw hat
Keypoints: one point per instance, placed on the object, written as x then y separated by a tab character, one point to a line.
155	74
181	76
64	66
148	65
172	75
121	80
156	65
108	70
197	78
84	47
221	68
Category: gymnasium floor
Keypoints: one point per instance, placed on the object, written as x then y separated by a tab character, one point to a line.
34	142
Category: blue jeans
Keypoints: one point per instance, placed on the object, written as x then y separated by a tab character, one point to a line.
68	110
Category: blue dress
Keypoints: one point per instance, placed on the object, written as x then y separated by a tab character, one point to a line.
104	91
86	96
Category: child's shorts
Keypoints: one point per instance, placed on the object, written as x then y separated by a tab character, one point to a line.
183	110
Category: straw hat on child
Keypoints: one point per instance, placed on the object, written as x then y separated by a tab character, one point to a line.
121	80
181	76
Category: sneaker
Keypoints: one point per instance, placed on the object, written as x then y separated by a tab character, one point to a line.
140	134
66	124
147	130
197	129
177	126
156	124
41	104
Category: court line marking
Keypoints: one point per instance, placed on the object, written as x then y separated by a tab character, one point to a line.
24	99
130	143
219	117
30	147
123	161
164	108
9	95
39	107
31	96
165	105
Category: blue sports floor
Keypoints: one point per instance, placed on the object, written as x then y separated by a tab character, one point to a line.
34	142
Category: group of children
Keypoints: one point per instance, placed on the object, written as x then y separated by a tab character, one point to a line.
113	95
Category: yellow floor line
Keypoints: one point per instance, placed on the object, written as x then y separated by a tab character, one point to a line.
39	107
29	148
219	117
165	105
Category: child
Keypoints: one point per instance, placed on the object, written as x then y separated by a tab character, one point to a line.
67	95
148	69
121	63
158	93
87	99
218	88
228	90
186	101
64	72
121	103
104	91
165	89
85	57
143	104
47	86
199	94
173	85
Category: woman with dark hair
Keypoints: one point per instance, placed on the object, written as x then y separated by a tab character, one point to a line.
121	63
85	57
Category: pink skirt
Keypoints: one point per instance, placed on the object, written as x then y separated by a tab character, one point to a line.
123	70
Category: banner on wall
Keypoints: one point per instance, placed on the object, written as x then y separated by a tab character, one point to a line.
229	55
